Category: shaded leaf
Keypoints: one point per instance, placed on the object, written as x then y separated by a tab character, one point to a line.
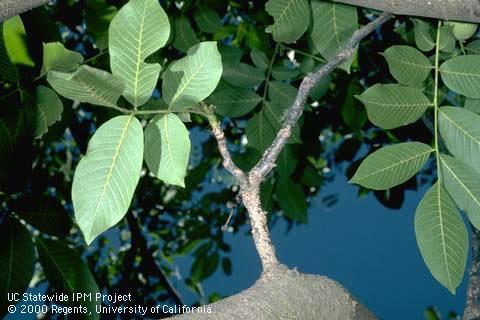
462	75
423	35
184	36
391	105
259	59
242	75
17	260
48	110
333	25
57	58
460	130
441	237
392	165
292	200
235	102
67	273
208	20
408	65
463	184
290	19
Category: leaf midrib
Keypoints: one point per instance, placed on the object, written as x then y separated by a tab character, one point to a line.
110	171
442	234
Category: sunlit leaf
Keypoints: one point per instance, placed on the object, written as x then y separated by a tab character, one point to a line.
17	260
463	184
290	19
392	165
167	148
462	75
408	65
67	273
139	29
391	105
441	237
87	84
193	78
107	175
460	130
57	58
15	39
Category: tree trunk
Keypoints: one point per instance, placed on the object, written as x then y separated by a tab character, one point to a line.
10	8
459	10
286	294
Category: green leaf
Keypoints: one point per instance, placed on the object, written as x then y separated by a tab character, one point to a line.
139	29
184	36
472	105
392	165
460	130
291	199
167	148
391	105
235	102
193	78
57	58
290	19
473	47
462	75
353	113
259	59
260	132
230	53
333	25
98	15
423	35
107	175
88	85
447	39
67	273
284	73
286	162
275	113
17	260
208	20
463	184
282	93
48	110
15	39
242	75
441	237
8	71
408	65
40	212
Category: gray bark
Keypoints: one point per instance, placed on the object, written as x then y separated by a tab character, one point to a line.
287	294
472	306
458	10
10	8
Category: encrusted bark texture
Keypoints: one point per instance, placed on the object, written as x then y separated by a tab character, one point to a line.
10	8
287	294
460	10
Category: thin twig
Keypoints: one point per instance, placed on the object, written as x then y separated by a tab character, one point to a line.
267	162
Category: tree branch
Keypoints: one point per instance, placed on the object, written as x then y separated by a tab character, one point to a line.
460	10
10	8
472	306
267	162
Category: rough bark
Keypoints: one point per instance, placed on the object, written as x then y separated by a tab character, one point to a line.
459	10
472	306
288	294
10	8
